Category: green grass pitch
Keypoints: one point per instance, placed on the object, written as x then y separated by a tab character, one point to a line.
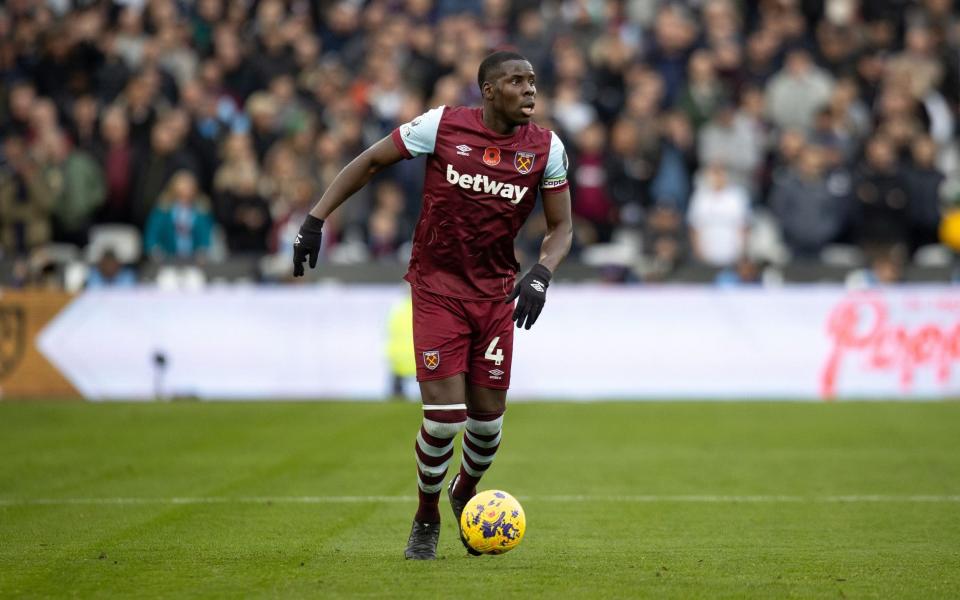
623	500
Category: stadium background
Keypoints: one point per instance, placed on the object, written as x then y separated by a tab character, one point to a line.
174	147
765	196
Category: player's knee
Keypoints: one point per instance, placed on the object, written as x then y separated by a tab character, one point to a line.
485	423
440	422
443	391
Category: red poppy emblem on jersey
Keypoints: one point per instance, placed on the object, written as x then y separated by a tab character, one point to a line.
491	156
523	161
431	359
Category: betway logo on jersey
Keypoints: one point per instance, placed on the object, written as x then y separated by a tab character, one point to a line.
482	183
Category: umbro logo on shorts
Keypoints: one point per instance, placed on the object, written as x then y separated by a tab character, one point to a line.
496	374
431	359
537	286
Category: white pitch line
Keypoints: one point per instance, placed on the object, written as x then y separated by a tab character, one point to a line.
708	499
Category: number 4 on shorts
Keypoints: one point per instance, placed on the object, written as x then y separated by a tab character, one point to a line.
493	353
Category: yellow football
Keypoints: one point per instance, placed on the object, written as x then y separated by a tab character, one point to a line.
493	522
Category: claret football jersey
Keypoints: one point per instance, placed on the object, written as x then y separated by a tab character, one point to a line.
480	187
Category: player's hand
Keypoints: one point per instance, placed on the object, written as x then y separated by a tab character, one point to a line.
532	294
307	244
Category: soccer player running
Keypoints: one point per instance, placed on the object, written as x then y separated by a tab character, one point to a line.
483	171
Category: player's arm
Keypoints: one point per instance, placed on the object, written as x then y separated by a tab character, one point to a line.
350	179
559	237
409	140
531	290
356	175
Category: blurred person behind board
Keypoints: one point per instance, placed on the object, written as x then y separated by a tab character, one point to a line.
180	225
719	219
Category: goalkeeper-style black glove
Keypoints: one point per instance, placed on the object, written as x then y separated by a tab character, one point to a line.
307	244
532	291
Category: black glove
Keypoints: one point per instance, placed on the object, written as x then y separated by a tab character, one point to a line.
307	244
532	291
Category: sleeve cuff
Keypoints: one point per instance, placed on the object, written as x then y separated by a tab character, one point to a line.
398	142
556	190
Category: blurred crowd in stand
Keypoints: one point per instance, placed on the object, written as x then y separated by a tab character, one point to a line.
733	134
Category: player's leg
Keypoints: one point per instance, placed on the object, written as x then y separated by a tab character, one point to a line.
485	410
441	342
491	358
444	415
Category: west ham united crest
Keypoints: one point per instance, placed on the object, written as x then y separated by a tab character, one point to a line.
523	161
431	359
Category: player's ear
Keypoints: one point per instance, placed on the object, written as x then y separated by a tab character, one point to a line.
487	90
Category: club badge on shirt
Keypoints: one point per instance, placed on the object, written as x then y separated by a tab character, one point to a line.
431	359
523	161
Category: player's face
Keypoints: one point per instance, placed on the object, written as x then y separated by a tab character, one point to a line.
516	91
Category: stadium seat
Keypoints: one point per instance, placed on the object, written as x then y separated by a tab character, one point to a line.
124	240
180	278
623	250
75	276
842	255
933	255
57	253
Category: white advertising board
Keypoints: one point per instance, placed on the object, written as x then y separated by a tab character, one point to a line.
591	342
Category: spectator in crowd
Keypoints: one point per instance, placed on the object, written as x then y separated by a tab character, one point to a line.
760	62
262	110
180	225
109	272
719	218
629	171
922	181
76	180
881	198
665	242
732	140
20	103
237	159
387	229
290	215
164	157
26	201
118	157
796	92
593	208
704	92
244	214
810	208
675	35
83	124
670	188
885	267
745	272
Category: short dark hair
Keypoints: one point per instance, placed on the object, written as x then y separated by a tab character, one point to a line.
491	64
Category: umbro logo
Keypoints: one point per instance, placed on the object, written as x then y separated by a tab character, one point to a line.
537	286
464	150
496	373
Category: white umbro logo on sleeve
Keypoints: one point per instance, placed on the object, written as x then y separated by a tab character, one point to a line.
537	285
464	150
